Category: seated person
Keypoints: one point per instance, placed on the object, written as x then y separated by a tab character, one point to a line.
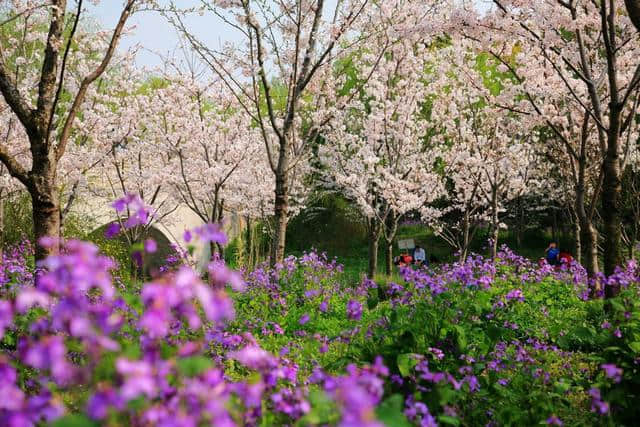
405	260
565	258
552	254
419	256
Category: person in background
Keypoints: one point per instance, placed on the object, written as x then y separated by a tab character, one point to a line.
419	256
405	259
552	254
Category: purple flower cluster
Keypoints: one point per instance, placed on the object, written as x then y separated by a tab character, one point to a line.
354	310
515	295
173	297
357	393
137	212
612	372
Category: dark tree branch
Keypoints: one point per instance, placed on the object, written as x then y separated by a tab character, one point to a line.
84	86
65	57
633	8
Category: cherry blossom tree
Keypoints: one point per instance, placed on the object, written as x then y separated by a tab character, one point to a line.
592	49
215	156
377	154
488	152
281	75
47	117
134	151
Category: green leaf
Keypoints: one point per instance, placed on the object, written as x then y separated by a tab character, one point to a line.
74	420
615	303
449	420
584	333
136	404
406	362
322	409
461	337
193	366
390	412
635	346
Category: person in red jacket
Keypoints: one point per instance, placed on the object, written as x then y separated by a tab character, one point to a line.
403	260
565	258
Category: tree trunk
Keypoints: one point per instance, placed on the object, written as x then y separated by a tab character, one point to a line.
495	225
281	217
388	258
633	8
248	244
374	237
220	219
577	240
466	226
391	228
589	237
611	191
215	211
45	205
590	243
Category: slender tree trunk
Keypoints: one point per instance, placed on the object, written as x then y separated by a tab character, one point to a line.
590	243
589	237
391	228
215	211
373	257
466	226
281	218
248	245
495	224
611	202
577	239
220	219
374	237
388	258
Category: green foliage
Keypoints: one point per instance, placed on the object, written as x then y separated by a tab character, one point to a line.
74	420
18	221
390	412
194	366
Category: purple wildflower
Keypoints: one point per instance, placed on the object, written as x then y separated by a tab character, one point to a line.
612	371
150	246
554	421
304	319
112	230
354	310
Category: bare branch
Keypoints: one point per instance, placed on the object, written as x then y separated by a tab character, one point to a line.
84	86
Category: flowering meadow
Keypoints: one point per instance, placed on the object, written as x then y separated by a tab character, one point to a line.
235	133
472	343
